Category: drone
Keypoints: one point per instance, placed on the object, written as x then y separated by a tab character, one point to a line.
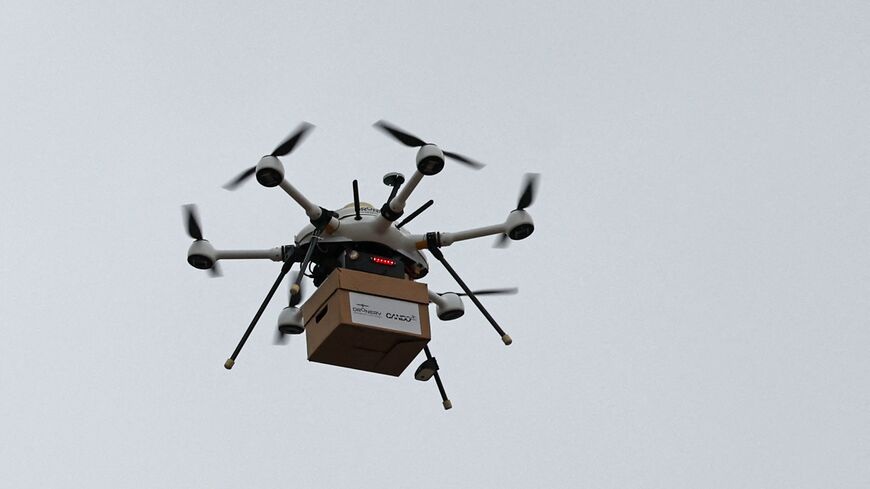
371	243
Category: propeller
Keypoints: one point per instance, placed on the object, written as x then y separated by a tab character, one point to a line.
286	147
282	338
507	291
413	141
194	230
526	198
191	218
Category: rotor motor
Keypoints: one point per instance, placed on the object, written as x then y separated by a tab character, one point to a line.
449	307
201	254
430	159
519	225
290	321
270	171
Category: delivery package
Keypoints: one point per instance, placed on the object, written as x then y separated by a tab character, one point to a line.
366	321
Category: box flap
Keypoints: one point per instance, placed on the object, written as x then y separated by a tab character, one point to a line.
368	283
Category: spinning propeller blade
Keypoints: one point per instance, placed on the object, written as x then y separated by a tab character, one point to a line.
286	147
192	220
234	183
409	139
528	194
464	159
280	338
403	137
292	140
508	291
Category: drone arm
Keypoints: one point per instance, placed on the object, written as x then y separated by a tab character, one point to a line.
447	239
274	254
393	209
435	298
518	225
203	255
313	212
397	204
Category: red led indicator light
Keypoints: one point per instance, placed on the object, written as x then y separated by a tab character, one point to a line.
383	261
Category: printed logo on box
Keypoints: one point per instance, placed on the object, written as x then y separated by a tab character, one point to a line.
385	313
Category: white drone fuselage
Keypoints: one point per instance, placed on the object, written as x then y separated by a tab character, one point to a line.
369	228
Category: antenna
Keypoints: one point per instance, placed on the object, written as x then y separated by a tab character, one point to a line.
415	213
356	200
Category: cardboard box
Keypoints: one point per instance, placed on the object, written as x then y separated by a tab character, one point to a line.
367	322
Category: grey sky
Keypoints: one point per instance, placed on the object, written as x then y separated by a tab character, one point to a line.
693	305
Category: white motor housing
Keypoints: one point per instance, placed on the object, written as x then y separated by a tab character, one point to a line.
519	225
430	159
201	255
290	321
448	306
270	171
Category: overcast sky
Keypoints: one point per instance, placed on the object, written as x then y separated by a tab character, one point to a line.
693	307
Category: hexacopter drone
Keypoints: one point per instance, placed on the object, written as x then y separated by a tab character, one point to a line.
368	312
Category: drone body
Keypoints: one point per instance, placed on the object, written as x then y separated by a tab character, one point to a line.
365	239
